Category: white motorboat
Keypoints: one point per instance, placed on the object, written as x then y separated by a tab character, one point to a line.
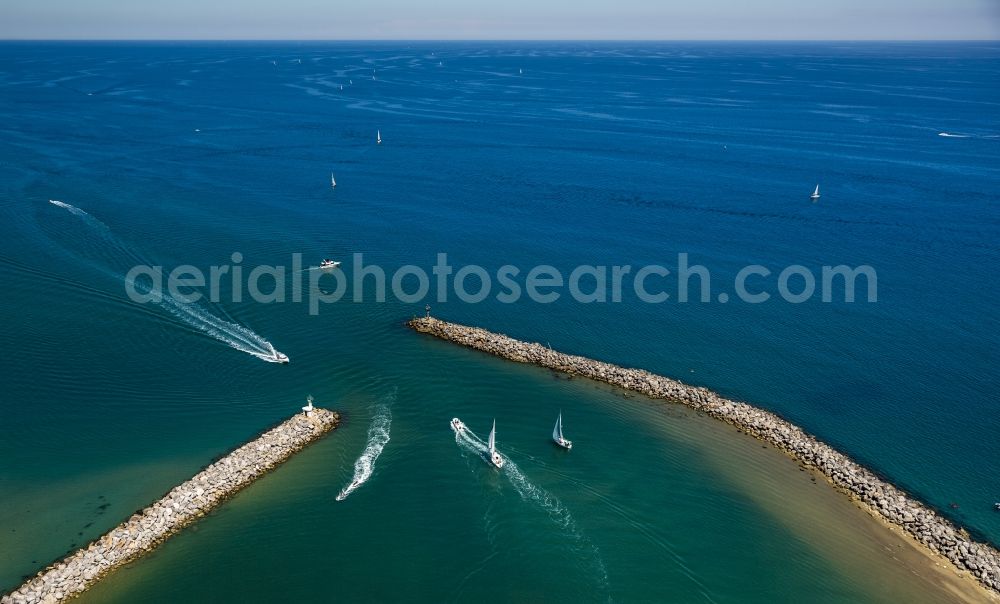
330	264
457	425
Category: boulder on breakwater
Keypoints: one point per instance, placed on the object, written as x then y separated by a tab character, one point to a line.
183	505
880	498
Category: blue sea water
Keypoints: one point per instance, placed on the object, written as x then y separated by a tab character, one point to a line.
494	153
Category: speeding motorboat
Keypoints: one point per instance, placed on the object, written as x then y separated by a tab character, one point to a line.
327	263
457	425
280	357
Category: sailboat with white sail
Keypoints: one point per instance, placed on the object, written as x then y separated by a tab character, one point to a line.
557	434
495	457
815	194
378	137
333	181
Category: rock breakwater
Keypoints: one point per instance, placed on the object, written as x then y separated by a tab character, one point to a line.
880	498
184	504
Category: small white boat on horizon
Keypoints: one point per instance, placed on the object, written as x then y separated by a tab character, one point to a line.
494	457
815	194
557	435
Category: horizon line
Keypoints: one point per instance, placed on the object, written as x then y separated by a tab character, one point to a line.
633	40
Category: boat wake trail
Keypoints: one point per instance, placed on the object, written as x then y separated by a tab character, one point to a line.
193	315
529	492
963	135
378	437
236	336
550	504
75	210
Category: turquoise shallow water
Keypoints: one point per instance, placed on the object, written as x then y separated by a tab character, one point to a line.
600	154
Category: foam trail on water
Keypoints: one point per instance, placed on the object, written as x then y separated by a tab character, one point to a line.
233	334
528	491
75	210
378	437
237	336
467	440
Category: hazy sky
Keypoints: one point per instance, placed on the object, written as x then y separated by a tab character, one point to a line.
501	19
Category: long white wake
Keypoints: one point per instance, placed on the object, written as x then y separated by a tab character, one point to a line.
378	437
962	135
236	336
468	440
72	209
550	504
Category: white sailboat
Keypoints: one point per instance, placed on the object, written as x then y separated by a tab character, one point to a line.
815	194
495	458
378	137
333	181
557	434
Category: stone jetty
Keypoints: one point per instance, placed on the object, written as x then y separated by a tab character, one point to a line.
878	497
180	507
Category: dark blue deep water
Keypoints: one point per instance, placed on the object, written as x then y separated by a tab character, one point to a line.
497	153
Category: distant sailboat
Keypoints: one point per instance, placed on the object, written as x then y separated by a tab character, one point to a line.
378	137
815	194
495	458
333	181
557	434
